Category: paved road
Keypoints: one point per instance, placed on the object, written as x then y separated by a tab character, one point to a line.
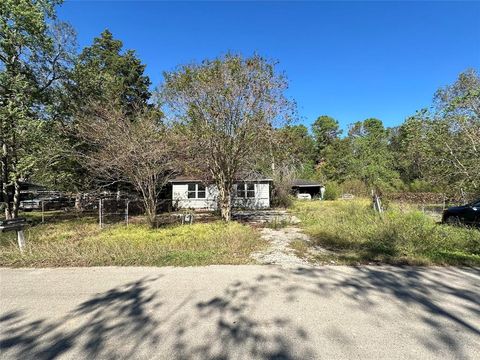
240	312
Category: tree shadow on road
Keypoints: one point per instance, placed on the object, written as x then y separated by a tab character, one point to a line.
140	319
120	312
232	330
410	288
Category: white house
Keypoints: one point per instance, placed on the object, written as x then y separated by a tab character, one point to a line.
193	194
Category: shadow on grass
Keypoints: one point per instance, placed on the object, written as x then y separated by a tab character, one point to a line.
385	247
133	320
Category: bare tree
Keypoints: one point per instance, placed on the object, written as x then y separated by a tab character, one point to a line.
136	149
229	107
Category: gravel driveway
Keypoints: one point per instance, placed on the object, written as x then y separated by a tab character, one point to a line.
279	251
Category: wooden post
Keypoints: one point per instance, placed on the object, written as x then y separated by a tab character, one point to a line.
126	212
43	210
100	203
21	239
379	204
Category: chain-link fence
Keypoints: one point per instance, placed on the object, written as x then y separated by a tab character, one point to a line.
113	211
429	203
106	210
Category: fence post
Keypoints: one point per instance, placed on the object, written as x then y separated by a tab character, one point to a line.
100	203
464	198
126	211
43	210
21	239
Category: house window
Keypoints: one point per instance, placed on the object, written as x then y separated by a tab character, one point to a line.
201	191
196	191
245	190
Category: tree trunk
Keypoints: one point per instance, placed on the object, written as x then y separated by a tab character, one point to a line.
226	203
5	195
16	183
151	211
16	199
78	202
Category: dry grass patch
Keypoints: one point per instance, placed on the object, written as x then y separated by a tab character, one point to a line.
355	234
79	242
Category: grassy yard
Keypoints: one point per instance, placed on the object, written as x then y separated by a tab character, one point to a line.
353	234
80	242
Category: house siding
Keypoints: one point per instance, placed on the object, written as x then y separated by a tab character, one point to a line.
180	198
261	199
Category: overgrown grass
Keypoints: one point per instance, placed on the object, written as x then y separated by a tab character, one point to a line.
278	223
356	235
80	242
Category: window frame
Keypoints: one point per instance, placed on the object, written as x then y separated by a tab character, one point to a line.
245	190
199	191
201	188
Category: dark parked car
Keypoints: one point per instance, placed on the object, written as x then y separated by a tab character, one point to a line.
467	214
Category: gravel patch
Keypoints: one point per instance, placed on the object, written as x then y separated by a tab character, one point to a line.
265	216
279	251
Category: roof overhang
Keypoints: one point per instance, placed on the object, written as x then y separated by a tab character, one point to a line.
311	185
198	180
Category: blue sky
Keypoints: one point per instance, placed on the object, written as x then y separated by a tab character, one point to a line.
349	60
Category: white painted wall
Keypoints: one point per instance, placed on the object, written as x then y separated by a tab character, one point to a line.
180	197
260	201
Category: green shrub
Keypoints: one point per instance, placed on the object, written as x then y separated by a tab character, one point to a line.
281	196
355	187
421	186
332	191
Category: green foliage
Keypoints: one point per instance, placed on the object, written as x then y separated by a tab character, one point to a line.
420	186
103	72
337	163
35	54
355	187
355	234
441	147
325	131
430	151
295	144
373	161
332	191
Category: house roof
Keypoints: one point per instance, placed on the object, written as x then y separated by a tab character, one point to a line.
181	179
184	179
305	183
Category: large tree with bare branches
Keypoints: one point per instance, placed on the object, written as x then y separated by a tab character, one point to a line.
229	107
134	148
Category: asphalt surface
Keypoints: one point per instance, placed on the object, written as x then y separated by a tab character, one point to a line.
240	312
